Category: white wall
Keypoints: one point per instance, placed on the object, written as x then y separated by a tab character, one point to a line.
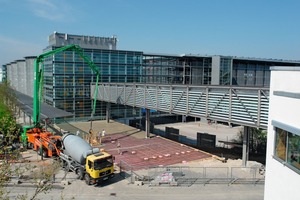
282	182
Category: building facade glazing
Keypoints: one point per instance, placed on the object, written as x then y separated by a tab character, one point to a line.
67	77
163	69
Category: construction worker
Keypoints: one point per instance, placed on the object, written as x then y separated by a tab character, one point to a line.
118	147
101	135
90	135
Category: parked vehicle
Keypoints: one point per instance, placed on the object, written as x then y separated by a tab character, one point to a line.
90	164
35	136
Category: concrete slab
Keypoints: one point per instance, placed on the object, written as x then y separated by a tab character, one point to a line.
112	127
190	129
130	146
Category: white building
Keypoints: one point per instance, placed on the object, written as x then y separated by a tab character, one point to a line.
283	148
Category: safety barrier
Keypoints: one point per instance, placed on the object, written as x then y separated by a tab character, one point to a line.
185	176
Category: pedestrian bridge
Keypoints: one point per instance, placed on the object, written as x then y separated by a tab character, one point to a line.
246	106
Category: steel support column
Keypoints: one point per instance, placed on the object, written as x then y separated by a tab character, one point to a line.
245	155
24	118
147	123
107	112
19	112
258	108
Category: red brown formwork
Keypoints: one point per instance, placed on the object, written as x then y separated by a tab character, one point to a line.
150	152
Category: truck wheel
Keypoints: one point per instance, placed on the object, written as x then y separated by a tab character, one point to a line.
79	173
87	179
45	153
28	145
65	166
38	150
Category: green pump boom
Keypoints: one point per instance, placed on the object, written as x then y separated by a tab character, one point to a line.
38	73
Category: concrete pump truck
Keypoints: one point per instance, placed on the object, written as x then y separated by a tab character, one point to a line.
91	164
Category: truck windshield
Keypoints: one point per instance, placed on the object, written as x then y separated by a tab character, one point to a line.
103	163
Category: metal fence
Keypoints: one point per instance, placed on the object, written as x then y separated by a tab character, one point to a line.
185	176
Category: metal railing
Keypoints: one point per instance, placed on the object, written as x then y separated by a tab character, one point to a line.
185	176
240	105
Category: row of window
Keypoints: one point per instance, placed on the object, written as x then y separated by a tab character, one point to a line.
250	78
101	57
151	60
70	68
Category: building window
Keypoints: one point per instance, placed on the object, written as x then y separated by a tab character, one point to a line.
225	71
280	150
287	148
293	151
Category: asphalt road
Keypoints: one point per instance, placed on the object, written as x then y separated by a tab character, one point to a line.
119	188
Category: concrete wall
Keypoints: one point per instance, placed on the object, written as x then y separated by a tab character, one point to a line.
8	72
20	75
88	42
21	72
14	76
281	181
215	70
29	74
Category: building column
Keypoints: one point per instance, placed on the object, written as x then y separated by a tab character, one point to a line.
15	110
24	118
147	123
19	112
215	70
245	155
107	112
183	119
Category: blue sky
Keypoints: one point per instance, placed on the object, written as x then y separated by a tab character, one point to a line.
249	28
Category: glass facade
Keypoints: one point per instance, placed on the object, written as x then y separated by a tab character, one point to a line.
176	70
254	72
225	71
67	79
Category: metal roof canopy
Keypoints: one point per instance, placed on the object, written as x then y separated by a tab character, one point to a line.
25	103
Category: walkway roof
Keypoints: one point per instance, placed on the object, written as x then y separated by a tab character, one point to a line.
25	103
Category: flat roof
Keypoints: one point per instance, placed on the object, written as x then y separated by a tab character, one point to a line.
285	68
25	103
232	57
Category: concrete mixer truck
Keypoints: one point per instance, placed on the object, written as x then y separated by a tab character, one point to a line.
90	164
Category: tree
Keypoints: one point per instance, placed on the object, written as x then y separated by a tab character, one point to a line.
8	134
9	153
8	125
258	140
